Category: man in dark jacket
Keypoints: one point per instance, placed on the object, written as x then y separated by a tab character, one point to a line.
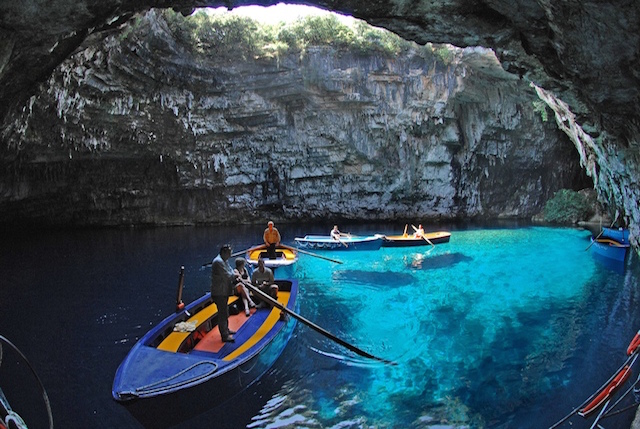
222	281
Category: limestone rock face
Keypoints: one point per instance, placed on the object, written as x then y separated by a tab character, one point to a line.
133	128
585	53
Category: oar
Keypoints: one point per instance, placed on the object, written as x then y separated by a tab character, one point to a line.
422	235
602	231
595	422
404	234
318	328
179	303
311	254
241	252
594	240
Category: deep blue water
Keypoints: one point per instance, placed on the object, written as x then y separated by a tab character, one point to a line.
503	327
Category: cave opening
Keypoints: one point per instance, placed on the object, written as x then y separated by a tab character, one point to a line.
434	131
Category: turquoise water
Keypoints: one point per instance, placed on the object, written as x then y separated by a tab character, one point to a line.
506	328
479	327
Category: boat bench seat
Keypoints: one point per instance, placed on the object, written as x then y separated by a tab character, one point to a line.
174	340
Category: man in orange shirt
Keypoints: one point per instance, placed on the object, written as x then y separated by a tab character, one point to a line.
271	238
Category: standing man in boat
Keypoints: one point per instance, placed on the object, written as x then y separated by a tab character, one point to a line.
271	238
222	281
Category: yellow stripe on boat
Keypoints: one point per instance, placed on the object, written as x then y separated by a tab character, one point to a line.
269	323
175	339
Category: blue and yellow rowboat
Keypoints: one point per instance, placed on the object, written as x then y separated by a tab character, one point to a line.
285	256
610	248
182	364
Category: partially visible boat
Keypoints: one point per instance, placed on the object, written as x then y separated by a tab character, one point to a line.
181	367
353	242
601	398
609	248
285	256
9	418
621	235
605	394
405	240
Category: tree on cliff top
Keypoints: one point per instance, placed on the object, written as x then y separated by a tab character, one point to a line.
232	35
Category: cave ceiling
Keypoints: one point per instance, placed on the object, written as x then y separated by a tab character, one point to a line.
585	52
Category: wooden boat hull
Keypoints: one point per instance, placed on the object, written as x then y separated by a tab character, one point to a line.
191	372
609	248
325	242
410	241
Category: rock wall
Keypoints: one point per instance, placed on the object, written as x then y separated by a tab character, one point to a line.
135	128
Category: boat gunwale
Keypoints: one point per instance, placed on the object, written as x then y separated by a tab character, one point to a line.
311	238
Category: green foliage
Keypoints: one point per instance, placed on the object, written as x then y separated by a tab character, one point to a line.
129	29
229	35
222	35
541	107
445	54
567	206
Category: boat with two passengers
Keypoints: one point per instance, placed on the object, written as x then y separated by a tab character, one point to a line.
426	239
350	242
183	365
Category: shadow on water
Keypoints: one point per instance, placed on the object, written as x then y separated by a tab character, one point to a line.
426	262
378	278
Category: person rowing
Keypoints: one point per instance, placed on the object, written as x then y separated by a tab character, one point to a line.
272	239
336	234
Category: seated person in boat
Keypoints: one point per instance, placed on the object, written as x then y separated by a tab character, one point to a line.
241	290
262	278
335	233
271	238
419	232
